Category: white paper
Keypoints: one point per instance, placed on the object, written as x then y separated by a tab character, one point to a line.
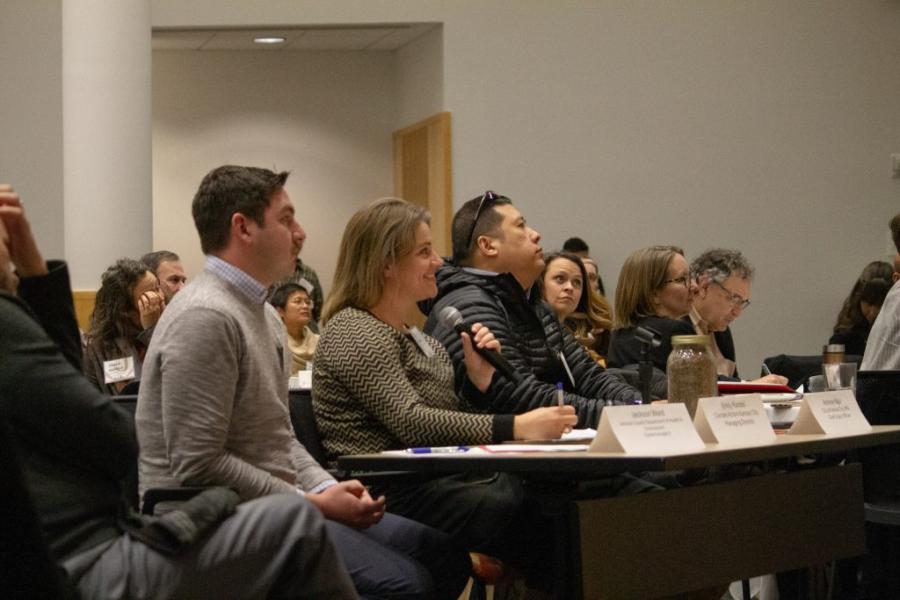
504	448
655	429
733	420
831	413
577	435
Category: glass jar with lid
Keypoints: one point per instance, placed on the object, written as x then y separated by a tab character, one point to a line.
833	353
691	370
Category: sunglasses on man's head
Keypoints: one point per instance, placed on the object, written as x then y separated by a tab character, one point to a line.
487	199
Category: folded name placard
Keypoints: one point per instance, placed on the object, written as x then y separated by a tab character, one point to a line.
831	413
656	429
733	420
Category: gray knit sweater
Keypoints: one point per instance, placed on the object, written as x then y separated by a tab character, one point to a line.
213	406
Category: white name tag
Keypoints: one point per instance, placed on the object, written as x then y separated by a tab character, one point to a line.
656	429
306	285
733	420
831	413
301	381
119	369
419	338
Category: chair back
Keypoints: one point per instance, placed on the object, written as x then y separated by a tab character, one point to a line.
878	395
798	369
131	388
130	483
304	421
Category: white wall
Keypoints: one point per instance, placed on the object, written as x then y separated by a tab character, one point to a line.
31	151
765	126
326	117
420	78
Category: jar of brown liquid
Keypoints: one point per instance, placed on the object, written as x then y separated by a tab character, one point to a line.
833	353
691	371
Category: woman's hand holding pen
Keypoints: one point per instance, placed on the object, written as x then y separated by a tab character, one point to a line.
548	423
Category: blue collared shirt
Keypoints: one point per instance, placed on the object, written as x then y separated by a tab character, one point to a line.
254	290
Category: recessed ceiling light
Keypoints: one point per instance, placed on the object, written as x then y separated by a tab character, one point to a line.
268	40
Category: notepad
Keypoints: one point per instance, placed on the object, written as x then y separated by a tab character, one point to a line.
749	387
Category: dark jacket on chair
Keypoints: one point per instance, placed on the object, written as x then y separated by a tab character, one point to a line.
532	340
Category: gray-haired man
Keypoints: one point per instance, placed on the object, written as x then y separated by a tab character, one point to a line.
722	291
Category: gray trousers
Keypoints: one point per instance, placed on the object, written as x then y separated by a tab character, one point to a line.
272	547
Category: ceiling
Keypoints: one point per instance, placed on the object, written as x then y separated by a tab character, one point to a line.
385	37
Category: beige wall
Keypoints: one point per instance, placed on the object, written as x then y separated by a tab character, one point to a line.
766	126
31	152
326	117
763	125
420	78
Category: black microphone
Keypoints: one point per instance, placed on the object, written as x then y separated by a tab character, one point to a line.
649	339
451	318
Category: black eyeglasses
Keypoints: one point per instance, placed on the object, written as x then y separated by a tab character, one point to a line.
487	198
684	280
736	300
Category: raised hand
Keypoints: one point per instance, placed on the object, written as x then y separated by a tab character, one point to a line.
150	308
22	248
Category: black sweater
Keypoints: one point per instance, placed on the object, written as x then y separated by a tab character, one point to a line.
532	340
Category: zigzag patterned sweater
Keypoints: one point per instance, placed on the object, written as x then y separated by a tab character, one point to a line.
374	389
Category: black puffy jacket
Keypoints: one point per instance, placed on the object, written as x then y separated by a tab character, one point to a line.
532	340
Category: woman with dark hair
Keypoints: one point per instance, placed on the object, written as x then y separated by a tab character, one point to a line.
380	384
862	306
565	286
126	309
295	307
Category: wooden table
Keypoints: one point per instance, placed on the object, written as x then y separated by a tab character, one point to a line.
670	542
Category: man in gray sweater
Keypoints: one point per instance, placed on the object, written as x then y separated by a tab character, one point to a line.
213	404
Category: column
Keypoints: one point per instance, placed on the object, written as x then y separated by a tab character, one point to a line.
106	134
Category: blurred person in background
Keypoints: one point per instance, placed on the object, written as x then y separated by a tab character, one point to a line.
127	307
294	306
168	270
861	307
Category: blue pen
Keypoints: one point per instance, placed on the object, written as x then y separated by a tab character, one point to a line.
438	450
560	397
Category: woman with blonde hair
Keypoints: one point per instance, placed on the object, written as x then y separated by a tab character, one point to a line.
565	286
380	384
655	290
